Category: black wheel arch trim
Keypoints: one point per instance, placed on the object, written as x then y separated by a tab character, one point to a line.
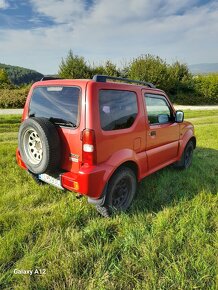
193	140
129	164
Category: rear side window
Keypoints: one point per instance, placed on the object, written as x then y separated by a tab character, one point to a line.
118	109
59	104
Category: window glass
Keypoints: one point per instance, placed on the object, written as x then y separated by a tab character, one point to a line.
157	109
59	104
118	109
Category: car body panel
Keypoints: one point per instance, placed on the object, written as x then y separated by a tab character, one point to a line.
136	144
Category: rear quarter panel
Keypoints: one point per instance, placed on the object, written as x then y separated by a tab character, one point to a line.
117	146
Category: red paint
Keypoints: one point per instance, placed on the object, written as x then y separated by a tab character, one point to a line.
88	172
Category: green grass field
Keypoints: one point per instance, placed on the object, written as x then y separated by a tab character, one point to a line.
166	241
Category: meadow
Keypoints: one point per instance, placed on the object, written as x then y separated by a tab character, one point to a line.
167	240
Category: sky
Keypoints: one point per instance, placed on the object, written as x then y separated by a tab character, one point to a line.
37	34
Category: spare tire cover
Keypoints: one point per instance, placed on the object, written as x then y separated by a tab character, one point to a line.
39	145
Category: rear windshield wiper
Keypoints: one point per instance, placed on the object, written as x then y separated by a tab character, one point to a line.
63	122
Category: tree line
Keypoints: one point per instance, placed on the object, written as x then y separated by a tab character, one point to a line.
175	79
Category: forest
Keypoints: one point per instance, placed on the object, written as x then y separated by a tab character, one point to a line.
19	75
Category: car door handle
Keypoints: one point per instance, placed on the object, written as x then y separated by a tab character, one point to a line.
152	133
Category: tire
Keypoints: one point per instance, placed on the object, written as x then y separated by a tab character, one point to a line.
120	193
186	159
39	145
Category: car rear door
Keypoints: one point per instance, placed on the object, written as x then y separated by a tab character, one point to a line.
60	101
162	130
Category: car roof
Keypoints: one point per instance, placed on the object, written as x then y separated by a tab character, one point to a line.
83	82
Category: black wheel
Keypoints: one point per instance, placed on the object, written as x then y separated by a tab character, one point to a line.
186	158
39	145
120	193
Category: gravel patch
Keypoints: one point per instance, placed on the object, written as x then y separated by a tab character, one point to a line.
11	111
177	107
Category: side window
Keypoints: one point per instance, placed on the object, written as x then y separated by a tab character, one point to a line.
158	109
118	109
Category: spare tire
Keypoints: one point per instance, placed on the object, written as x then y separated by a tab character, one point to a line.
39	145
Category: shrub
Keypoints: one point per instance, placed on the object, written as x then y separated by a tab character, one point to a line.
13	98
203	90
108	68
152	69
74	67
4	79
207	88
171	78
182	98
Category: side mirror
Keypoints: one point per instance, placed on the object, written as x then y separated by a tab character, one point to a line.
179	116
163	118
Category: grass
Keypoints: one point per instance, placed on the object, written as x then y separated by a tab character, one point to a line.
198	114
166	241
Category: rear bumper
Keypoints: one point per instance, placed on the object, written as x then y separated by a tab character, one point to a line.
19	160
90	180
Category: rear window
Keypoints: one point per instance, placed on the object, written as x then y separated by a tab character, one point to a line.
118	109
57	103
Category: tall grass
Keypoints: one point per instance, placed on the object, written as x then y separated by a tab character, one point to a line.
166	240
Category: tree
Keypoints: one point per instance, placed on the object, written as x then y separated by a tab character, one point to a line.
111	69
74	67
171	78
4	79
152	69
4	76
108	68
207	87
181	78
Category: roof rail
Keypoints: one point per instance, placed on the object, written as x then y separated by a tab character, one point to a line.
103	79
48	78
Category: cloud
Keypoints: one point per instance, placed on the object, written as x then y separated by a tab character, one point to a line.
128	33
105	11
115	30
63	11
4	4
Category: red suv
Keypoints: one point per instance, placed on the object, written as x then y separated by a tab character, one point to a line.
99	138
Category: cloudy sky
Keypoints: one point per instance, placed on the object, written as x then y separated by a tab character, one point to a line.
38	33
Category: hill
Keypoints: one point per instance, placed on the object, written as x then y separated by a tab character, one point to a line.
20	75
203	68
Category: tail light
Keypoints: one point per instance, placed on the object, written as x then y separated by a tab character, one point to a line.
88	145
